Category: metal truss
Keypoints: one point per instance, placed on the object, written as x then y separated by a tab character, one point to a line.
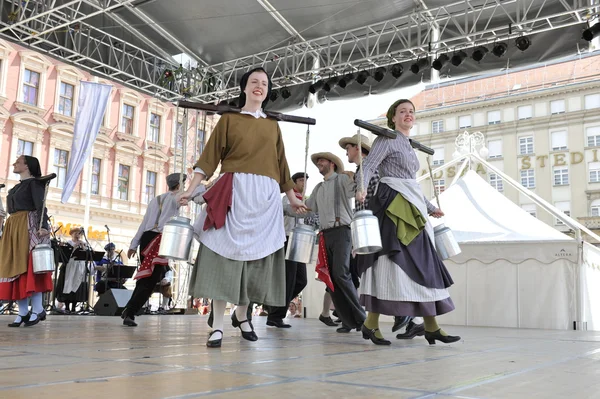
59	29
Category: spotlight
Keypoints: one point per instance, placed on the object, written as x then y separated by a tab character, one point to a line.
315	87
397	70
440	62
330	84
362	77
523	43
458	58
274	95
348	78
419	65
499	49
379	74
590	33
479	53
285	93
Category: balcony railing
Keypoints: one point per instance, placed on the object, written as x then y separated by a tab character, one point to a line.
591	222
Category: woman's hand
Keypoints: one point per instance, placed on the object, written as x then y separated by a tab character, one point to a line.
360	196
184	198
437	213
298	206
43	232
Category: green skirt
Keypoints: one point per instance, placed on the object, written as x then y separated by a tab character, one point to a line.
259	281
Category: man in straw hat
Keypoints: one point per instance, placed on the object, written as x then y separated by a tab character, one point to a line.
330	199
152	267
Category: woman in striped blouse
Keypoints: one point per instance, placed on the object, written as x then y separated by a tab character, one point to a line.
407	277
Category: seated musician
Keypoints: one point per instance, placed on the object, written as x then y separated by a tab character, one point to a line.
103	282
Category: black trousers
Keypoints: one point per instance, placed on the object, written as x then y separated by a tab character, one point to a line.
338	244
295	281
144	287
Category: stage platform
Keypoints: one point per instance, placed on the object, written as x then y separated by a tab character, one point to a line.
166	357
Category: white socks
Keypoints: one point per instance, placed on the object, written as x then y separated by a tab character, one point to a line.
36	303
327	302
218	309
23	309
240	313
165	302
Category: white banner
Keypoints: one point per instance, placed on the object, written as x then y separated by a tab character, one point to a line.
93	98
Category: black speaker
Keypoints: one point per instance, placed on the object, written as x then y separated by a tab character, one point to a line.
112	302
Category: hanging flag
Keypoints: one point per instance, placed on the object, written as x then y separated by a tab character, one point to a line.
93	98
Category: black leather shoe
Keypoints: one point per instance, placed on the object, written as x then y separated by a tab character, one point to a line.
24	319
400	321
343	330
216	343
327	321
431	337
30	323
210	319
370	334
128	321
250	335
42	315
278	324
412	330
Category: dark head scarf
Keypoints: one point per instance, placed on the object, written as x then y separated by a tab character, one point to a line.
33	165
109	246
392	111
244	82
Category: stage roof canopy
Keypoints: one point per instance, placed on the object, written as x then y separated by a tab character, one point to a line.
133	41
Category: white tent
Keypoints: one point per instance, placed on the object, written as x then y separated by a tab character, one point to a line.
514	270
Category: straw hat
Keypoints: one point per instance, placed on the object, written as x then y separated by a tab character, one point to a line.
330	157
364	142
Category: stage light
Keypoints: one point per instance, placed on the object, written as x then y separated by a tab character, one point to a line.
440	62
523	43
285	93
274	95
479	53
362	77
397	70
347	79
330	84
458	58
590	33
419	65
379	74
315	87
499	49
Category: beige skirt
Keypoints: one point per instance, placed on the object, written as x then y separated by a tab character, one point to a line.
14	245
259	281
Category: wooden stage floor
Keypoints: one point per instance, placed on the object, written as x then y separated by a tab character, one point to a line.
166	357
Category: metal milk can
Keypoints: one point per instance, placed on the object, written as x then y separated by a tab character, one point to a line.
301	244
445	242
43	259
176	240
366	238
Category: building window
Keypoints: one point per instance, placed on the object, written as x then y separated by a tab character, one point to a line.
593	136
564	207
150	186
526	145
438	157
439	186
496	182
530	209
464	121
24	148
493	117
592	101
557	107
200	142
559	140
525	112
61	160
154	133
495	149
65	100
127	119
437	126
123	184
528	178
95	184
561	176
595	208
594	168
31	84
